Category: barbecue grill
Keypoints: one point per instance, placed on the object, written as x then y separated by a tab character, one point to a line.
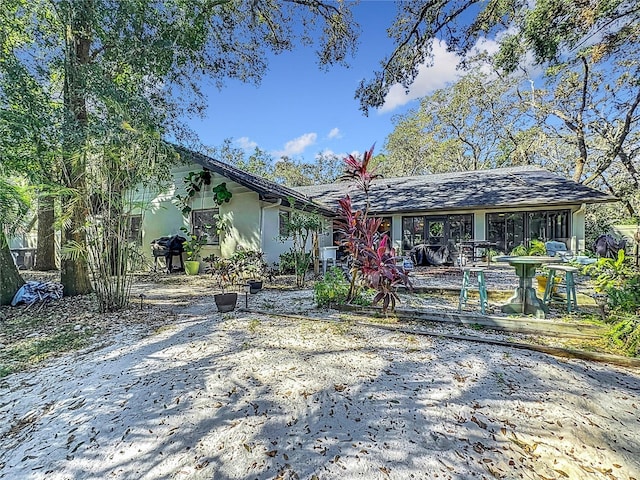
167	247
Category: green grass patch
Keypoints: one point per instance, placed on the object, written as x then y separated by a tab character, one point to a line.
30	351
253	325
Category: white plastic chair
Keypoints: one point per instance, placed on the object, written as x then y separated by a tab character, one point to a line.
328	254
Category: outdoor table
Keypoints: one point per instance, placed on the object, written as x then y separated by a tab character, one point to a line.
524	300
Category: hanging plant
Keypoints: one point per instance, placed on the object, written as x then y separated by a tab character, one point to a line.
221	194
194	183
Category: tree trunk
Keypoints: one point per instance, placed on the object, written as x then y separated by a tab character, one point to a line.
10	279
74	272
46	253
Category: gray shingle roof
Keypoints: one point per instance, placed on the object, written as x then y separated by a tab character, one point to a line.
267	190
504	187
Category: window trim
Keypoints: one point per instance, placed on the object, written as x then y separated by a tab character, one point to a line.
283	216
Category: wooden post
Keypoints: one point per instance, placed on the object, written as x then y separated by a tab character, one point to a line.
316	253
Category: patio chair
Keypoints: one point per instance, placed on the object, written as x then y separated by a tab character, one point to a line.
555	248
569	284
328	254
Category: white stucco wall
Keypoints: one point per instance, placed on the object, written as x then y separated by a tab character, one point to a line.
164	218
273	246
254	223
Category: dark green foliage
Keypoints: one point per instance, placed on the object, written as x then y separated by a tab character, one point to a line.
250	264
625	334
299	228
609	274
193	245
536	247
333	289
626	296
289	261
194	182
221	194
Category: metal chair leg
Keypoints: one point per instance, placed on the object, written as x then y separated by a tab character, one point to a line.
482	290
548	289
463	291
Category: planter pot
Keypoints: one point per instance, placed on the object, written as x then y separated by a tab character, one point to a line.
226	302
542	284
254	286
191	267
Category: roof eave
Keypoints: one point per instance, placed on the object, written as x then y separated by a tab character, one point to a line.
289	197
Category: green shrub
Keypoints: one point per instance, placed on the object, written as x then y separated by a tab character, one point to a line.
333	289
609	274
519	250
287	265
626	296
536	247
625	334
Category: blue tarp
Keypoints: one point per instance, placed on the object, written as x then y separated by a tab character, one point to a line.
32	292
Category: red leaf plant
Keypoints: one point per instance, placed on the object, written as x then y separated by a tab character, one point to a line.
373	261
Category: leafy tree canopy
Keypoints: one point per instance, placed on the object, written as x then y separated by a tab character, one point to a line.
547	31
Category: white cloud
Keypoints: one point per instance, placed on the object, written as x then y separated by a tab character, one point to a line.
246	144
297	145
334	133
429	79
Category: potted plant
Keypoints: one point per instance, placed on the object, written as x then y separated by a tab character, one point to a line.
542	281
224	273
192	247
252	267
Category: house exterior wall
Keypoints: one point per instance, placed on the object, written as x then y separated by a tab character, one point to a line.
273	245
255	224
164	218
270	231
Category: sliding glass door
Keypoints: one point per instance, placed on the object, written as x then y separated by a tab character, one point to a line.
508	230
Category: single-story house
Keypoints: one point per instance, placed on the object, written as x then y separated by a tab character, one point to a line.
506	206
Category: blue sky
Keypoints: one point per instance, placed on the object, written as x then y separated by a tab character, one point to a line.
299	110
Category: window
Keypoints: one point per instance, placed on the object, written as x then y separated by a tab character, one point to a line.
436	230
412	232
135	229
460	227
204	222
509	230
284	216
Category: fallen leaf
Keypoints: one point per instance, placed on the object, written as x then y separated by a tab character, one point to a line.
480	423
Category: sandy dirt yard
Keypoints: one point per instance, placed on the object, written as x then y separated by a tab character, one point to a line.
254	396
